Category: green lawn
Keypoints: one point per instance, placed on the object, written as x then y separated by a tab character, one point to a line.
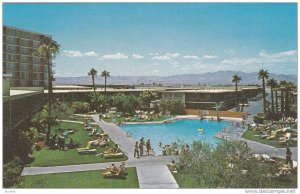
250	134
46	157
86	179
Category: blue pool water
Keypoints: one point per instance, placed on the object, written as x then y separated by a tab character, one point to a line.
185	130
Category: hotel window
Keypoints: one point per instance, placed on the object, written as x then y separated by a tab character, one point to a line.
36	60
35	76
25	59
36	44
26	43
11	32
36	68
10	40
178	95
11	49
167	95
23	67
25	51
23	75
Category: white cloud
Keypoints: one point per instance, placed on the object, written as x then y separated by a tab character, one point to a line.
190	57
279	55
265	58
137	56
115	56
90	54
230	51
209	56
153	54
166	57
70	53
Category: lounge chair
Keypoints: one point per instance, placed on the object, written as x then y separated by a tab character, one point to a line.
112	155
118	174
273	135
87	151
285	139
66	133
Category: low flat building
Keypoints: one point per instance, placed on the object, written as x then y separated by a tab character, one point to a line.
206	99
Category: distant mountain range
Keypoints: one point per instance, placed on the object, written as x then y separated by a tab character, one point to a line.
215	78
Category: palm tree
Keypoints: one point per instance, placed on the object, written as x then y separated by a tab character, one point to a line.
105	74
282	88
290	86
276	96
236	79
263	75
272	84
48	49
93	72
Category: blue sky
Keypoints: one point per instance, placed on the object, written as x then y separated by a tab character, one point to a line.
164	39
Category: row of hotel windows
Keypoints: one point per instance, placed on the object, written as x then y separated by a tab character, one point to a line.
21	42
17	49
27	76
10	67
22	59
22	34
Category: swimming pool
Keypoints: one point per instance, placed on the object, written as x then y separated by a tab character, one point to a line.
185	130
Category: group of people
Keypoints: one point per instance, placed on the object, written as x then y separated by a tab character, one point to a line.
139	148
114	170
60	142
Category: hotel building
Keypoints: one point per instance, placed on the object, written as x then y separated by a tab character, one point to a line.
18	46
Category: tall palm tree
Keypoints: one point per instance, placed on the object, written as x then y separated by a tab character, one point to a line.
282	85
48	49
276	96
263	75
105	74
272	84
93	72
290	86
236	79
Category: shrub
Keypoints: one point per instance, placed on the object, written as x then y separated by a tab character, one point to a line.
80	107
12	173
258	120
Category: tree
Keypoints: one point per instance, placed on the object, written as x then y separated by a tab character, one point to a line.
61	110
146	97
80	107
99	102
227	165
276	96
282	85
173	106
131	103
289	86
93	72
263	75
105	74
48	49
272	84
236	79
118	100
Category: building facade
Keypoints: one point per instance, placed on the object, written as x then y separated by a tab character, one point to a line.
18	47
207	99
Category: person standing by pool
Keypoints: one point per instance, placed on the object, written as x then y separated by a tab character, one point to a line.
141	147
148	146
136	150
